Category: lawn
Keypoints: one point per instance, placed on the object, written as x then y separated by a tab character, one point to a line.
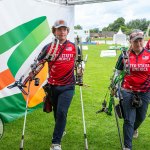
101	129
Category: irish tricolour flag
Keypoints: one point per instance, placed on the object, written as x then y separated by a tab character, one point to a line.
17	52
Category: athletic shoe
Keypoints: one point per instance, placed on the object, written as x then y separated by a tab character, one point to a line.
135	134
126	149
55	147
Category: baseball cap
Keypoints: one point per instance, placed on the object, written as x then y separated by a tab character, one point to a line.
60	23
136	34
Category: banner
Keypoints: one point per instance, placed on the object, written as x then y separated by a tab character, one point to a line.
25	29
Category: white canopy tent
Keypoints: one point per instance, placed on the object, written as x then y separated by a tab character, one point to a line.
120	38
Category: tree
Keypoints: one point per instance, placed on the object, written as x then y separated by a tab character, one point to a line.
78	27
105	29
115	26
118	23
141	24
125	30
95	30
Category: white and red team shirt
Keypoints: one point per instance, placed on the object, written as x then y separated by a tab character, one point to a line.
61	71
139	78
148	45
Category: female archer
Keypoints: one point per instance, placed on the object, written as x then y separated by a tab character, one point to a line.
135	88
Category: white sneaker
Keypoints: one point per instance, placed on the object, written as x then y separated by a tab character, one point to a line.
126	149
55	147
135	134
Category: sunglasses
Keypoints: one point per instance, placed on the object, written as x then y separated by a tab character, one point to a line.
136	34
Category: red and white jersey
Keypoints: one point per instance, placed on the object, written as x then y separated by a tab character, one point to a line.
61	71
139	78
148	45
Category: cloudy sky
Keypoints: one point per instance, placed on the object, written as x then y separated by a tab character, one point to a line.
100	15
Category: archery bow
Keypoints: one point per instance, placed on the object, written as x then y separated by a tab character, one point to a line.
35	69
116	80
79	80
114	88
37	66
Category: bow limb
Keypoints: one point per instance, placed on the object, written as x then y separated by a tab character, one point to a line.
31	76
38	67
56	48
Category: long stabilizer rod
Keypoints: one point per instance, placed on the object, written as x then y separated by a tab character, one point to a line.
84	127
118	127
25	116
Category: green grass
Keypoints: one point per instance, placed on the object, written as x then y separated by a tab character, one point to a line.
102	38
101	129
111	38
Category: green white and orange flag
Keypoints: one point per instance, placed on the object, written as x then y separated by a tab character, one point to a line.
17	53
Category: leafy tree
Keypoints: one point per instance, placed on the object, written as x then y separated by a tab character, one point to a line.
141	24
118	23
95	30
78	27
115	25
125	30
105	29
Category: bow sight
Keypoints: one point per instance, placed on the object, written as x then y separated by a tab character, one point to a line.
78	63
126	61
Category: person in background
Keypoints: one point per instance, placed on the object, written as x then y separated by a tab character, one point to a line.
135	87
148	45
61	79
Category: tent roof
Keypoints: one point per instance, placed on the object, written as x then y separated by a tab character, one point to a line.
120	31
78	2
